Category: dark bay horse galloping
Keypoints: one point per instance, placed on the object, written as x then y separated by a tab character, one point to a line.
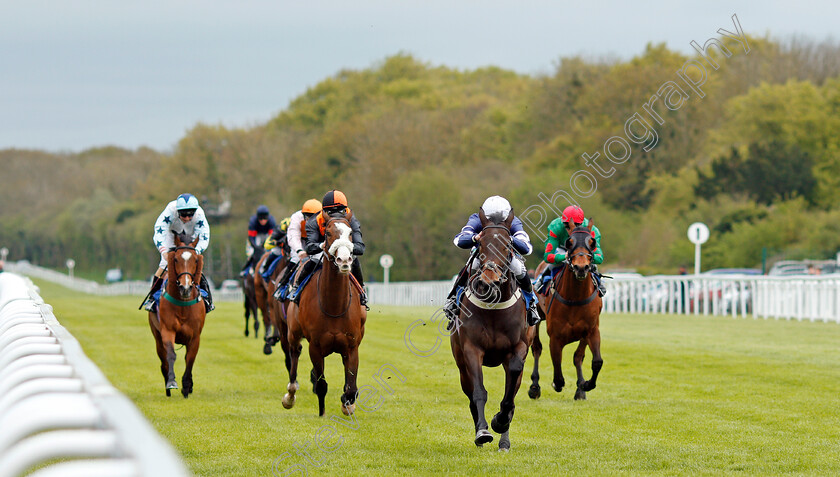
180	315
572	310
330	317
492	330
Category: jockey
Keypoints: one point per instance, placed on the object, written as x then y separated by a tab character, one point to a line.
333	205
181	216
294	237
260	225
274	246
558	233
469	236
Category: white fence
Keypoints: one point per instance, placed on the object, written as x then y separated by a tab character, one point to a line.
57	410
814	298
791	297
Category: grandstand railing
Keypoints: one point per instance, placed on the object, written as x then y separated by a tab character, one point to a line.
813	298
58	413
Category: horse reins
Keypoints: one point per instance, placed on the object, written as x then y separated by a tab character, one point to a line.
193	286
568	263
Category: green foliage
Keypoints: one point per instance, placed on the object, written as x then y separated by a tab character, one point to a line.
418	147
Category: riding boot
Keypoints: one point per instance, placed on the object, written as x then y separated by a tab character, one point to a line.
533	317
542	283
284	279
596	278
451	308
244	272
157	282
307	269
208	300
356	270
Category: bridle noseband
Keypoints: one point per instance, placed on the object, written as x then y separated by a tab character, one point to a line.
192	274
491	266
588	253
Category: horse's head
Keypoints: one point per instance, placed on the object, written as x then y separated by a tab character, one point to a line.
579	249
185	265
338	243
494	245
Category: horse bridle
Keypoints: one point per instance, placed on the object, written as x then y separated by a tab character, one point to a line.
192	274
332	259
506	253
327	253
589	252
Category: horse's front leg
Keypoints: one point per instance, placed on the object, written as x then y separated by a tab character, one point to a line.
597	362
472	383
294	336
318	373
556	349
351	368
168	341
534	391
514	367
161	352
192	352
580	353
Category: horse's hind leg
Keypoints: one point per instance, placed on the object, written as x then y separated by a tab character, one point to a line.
161	352
534	391
351	368
318	372
597	362
186	380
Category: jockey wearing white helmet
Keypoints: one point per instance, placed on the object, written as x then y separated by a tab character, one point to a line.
181	216
497	209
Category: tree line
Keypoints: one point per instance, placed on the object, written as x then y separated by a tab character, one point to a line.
418	147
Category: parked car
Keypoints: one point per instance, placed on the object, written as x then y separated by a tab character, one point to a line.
230	285
113	275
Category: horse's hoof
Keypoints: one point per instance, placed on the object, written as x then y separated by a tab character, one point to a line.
293	387
580	395
185	393
288	401
534	392
482	437
267	349
348	409
588	386
246	333
172	385
554	387
497	426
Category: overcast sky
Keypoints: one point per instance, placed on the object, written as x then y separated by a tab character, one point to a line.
84	73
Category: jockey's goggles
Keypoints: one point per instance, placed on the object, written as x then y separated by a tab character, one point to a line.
186	213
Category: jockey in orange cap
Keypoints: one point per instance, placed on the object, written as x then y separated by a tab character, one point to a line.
558	233
295	235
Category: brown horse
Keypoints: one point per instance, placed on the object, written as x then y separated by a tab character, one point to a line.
492	331
572	310
262	293
180	315
330	317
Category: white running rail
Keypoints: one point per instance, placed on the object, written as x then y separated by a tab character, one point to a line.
57	409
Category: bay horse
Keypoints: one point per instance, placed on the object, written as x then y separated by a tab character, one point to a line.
492	330
251	308
572	310
251	288
179	318
330	317
262	294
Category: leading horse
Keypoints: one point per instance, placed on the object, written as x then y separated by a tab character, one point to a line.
330	317
572	310
492	330
179	318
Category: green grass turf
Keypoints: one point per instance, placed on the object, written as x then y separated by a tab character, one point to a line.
677	396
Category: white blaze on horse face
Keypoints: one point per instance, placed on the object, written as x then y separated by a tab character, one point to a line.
186	256
342	248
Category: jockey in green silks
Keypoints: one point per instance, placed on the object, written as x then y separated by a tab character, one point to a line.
558	233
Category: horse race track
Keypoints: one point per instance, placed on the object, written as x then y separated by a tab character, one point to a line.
677	396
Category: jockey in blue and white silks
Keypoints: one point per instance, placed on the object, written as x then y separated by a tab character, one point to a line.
468	238
181	216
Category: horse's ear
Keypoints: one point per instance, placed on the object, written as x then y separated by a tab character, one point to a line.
509	220
178	241
591	224
484	219
195	242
